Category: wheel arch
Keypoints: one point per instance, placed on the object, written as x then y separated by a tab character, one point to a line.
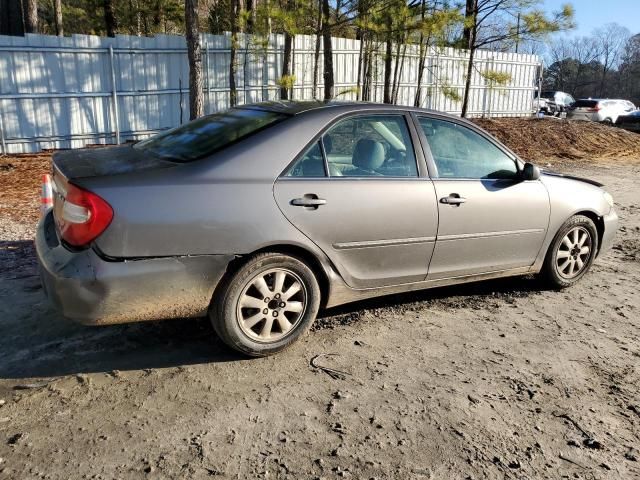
301	253
597	220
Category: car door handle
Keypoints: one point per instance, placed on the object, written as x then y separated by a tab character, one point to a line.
308	201
453	199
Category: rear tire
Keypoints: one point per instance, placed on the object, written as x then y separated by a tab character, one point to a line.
571	252
268	304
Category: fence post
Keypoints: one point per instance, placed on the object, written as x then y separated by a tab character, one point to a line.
114	95
540	86
4	145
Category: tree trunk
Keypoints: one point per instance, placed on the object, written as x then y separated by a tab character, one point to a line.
388	62
472	52
469	19
233	90
467	85
397	84
251	17
31	16
360	63
422	57
397	70
194	52
316	54
11	17
286	67
328	52
57	13
110	18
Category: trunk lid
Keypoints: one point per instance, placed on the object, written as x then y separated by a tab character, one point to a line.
99	162
72	165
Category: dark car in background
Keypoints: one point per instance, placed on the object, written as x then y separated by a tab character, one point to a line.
630	121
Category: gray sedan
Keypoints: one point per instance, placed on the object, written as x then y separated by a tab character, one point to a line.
261	215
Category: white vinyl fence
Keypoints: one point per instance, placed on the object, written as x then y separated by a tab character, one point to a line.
65	92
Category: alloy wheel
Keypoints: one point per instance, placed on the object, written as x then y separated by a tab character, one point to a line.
574	252
271	305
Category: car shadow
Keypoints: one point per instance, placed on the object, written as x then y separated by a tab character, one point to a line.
44	344
37	341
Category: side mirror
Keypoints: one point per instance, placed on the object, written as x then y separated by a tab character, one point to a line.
530	172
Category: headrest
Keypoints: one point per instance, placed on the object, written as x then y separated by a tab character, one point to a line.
368	154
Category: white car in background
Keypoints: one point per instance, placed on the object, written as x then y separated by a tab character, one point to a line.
600	110
552	103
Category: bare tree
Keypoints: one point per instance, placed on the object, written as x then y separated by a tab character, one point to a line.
194	52
611	40
502	21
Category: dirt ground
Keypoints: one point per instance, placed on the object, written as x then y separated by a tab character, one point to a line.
496	380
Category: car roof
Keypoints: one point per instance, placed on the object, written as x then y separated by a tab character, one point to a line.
294	107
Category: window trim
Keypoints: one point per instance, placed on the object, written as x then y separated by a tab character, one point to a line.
431	164
414	138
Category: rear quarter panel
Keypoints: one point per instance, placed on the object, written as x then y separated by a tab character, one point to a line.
218	205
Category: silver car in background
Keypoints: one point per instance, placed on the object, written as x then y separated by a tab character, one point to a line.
261	215
600	110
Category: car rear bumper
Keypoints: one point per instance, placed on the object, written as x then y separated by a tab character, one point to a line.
89	289
610	228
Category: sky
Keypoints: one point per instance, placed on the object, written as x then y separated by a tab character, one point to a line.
591	14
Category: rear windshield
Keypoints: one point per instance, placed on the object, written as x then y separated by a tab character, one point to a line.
585	103
209	134
550	95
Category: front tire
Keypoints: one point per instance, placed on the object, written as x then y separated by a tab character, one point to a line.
268	304
571	252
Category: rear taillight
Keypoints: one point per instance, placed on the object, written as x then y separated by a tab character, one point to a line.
83	216
593	109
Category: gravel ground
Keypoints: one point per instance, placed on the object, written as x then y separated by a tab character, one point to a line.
496	380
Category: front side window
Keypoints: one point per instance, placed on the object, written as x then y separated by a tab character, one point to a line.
370	146
208	134
459	152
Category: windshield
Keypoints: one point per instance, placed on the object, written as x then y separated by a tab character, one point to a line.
209	134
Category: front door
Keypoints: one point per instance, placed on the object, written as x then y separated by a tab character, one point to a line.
357	194
490	219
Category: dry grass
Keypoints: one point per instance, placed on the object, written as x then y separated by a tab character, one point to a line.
538	140
20	183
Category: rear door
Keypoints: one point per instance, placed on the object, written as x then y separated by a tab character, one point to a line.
489	219
360	193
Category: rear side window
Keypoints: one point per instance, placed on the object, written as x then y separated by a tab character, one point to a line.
586	104
311	164
361	146
370	146
208	134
